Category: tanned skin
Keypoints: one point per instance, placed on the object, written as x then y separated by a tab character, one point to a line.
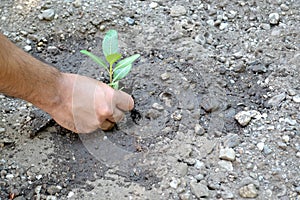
78	103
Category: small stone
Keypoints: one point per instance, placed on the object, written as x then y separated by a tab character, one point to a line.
182	169
38	189
157	106
177	11
27	48
70	194
129	20
265	26
174	183
200	39
199	190
244	117
9	176
223	26
176	116
2	96
53	189
199	164
199	130
298	154
296	98
238	55
291	92
185	196
210	104
199	177
284	7
47	15
165	76
50	197
153	114
232	140
248	191
282	145
227	165
2	130
274	18
275	100
77	3
260	146
227	154
102	27
153	5
267	150
286	138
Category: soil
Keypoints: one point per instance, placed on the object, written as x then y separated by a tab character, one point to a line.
217	87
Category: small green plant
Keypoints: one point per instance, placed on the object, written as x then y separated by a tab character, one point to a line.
116	69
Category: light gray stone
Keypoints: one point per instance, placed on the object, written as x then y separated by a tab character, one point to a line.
199	190
248	191
177	11
227	165
227	154
244	117
274	18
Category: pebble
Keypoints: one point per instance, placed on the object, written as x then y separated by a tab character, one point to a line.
2	130
174	183
284	7
223	26
2	96
231	140
200	39
248	191
227	154
244	117
274	18
227	165
77	3
267	150
129	20
199	130
47	15
27	48
286	138
296	98
275	100
153	5
199	164
199	190
157	106
298	154
177	11
165	76
260	146
70	194
53	189
152	114
185	196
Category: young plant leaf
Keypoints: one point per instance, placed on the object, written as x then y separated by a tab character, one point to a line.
121	72
127	61
110	43
98	60
112	58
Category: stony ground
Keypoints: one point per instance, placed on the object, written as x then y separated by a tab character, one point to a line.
217	86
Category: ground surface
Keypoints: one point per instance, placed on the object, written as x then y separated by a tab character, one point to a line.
202	64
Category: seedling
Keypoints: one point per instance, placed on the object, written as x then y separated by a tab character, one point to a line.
116	69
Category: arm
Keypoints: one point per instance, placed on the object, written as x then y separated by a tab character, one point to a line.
76	102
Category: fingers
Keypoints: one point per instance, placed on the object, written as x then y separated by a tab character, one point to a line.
118	115
123	101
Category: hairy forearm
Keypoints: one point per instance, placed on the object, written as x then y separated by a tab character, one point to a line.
25	77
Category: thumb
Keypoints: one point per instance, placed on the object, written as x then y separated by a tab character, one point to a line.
123	101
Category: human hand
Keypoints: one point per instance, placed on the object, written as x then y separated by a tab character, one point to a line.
87	104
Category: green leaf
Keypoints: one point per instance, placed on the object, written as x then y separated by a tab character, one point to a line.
110	43
127	61
112	58
121	72
95	58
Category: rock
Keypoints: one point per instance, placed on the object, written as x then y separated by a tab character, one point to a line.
284	7
47	15
260	146
223	26
248	191
181	168
199	164
185	196
275	100
296	98
20	198
152	114
129	20
231	141
53	189
2	130
200	39
297	189
274	18
177	11
165	76
2	96
244	117
77	3
227	165
210	104
199	177
227	154
267	150
174	183
199	130
291	92
199	190
157	106
153	5
70	194
258	68
27	48
51	197
176	116
286	138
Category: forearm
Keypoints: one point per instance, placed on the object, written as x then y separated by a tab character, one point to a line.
25	77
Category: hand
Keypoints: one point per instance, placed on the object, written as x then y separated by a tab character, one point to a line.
87	104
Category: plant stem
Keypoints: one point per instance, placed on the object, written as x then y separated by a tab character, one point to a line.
110	73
